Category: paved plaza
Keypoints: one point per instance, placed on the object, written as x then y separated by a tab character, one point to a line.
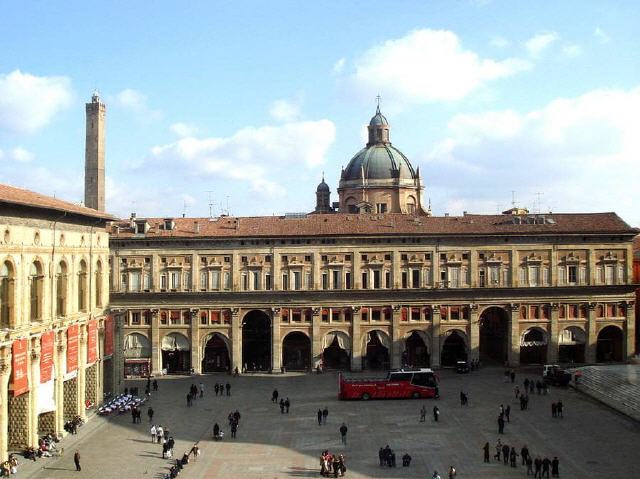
591	441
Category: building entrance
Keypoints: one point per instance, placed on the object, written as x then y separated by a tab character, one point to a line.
609	346
256	341
494	335
454	349
296	352
571	345
176	353
533	347
416	353
335	357
377	353
216	355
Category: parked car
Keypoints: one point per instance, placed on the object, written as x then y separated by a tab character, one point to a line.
555	375
462	367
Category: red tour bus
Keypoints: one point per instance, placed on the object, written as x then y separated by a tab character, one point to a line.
399	383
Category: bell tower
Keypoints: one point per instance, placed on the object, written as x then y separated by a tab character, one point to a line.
94	154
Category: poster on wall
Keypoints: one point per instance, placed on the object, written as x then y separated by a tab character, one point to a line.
92	341
108	336
19	367
72	348
46	356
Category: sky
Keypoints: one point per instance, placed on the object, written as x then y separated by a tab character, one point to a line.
244	104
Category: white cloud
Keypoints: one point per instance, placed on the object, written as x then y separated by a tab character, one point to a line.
137	102
427	66
29	102
572	50
540	42
284	110
21	155
574	150
499	41
339	65
601	35
183	129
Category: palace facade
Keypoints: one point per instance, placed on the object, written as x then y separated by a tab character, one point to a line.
371	281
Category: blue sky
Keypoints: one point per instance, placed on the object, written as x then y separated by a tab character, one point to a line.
254	100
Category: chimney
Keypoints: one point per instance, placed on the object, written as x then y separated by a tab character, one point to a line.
132	220
196	226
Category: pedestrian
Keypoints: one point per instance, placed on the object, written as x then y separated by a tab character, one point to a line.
554	409
485	449
513	457
500	425
436	475
506	376
287	403
513	376
516	391
234	428
538	467
319	417
545	467
153	433
559	407
524	453
498	450
463	399
165	451
452	472
501	410
159	433
281	406
526	384
539	387
343	433
133	415
436	413
201	390
325	414
555	467
381	456
507	411
423	413
150	414
155	385
529	465
228	389
505	455
531	386
76	460
189	400
216	388
195	450
406	460
274	396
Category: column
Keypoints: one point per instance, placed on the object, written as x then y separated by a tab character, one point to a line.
276	274
473	268
395	272
156	347
196	360
513	353
82	376
34	382
435	336
591	273
276	342
396	339
60	371
357	273
474	333
552	343
118	359
629	347
356	347
236	341
317	270
5	373
100	364
592	336
316	337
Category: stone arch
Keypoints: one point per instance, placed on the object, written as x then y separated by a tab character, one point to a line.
533	345
136	346
216	352
417	349
256	340
176	353
7	293
83	282
36	288
62	287
571	345
376	349
610	344
336	350
494	334
296	351
455	347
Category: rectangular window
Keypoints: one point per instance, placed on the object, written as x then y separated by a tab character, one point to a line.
308	280
376	315
135	281
204	280
404	279
245	282
523	276
187	280
583	274
175	280
297	280
381	207
609	272
545	276
387	279
454	277
365	280
163	281
146	282
335	278
347	280
494	275
296	316
285	281
256	280
376	279
325	281
135	318
227	280
415	278
572	274
215	280
267	281
481	279
561	274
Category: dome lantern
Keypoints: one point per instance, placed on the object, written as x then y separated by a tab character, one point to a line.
378	128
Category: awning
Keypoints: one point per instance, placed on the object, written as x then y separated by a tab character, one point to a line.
175	342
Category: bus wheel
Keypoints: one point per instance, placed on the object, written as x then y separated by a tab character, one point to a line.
366	397
416	395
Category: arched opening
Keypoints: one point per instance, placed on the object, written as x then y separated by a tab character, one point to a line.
571	345
82	287
454	348
533	346
216	354
137	355
6	295
296	352
376	351
256	341
61	289
336	351
176	353
416	353
36	281
609	347
494	335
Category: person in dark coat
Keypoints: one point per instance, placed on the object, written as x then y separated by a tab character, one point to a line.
325	414
234	428
287	404
507	411
216	388
554	409
555	467
513	457
436	413
216	431
505	455
150	414
559	407
538	467
281	406
486	452
545	467
343	433
319	417
524	453
155	385
228	389
529	465
274	396
406	460
76	460
500	425
381	456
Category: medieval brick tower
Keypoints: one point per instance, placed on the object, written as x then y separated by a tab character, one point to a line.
94	154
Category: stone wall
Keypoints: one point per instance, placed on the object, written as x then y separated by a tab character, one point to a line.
70	395
18	420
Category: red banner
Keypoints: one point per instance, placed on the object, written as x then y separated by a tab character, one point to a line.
72	348
46	356
108	336
92	341
19	367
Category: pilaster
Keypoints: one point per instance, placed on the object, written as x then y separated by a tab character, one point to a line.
513	353
5	373
552	344
236	341
276	274
196	359
276	350
435	336
82	376
356	348
60	371
316	337
156	347
34	382
317	270
592	336
629	347
396	339
474	332
395	272
357	273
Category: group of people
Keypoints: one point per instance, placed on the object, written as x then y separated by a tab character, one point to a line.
387	457
10	466
234	421
332	465
284	403
180	463
220	388
538	467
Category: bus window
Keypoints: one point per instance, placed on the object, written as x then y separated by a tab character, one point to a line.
423	379
400	376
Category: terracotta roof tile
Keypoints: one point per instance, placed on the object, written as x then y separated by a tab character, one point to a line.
374	224
19	196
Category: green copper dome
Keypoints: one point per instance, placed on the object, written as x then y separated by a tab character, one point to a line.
379	162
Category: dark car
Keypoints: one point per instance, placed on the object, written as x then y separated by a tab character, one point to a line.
462	367
555	375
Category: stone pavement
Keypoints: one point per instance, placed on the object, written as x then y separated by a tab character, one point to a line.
591	441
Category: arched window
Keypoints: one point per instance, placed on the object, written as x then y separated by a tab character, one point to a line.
99	284
6	295
36	280
82	287
61	289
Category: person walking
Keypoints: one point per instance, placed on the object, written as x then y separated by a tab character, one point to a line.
216	388
195	450
529	465
538	467
486	449
498	450
343	433
274	396
507	411
189	400
524	453
559	407
319	417
423	413
513	457
234	428
76	460
201	390
500	425
281	406
452	472
555	467
505	455
159	433
228	389
155	385
436	475
436	413
381	456
153	433
287	404
554	409
150	413
545	467
325	414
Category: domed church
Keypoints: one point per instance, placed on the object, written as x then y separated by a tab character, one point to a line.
378	179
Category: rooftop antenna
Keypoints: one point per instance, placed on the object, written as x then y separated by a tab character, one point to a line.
184	208
378	103
210	204
228	205
513	198
538	194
